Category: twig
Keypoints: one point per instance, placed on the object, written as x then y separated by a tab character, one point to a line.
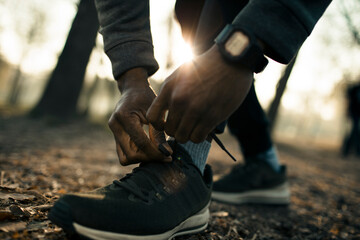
43	207
34	193
22	191
2	178
254	237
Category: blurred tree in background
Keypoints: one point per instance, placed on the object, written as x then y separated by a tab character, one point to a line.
31	35
350	11
29	27
64	86
280	89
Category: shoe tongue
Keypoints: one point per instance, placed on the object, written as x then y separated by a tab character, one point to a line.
142	178
159	170
179	153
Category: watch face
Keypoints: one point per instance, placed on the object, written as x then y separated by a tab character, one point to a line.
237	43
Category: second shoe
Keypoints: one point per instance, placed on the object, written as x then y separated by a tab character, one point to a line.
255	182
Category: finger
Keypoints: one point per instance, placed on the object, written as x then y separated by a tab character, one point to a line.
172	121
120	154
202	130
156	112
133	142
186	126
146	149
127	152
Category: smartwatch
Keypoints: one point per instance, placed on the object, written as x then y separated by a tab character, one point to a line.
240	47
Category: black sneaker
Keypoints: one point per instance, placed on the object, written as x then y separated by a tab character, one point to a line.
156	201
256	182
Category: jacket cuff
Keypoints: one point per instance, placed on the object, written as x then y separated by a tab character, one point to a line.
132	54
275	25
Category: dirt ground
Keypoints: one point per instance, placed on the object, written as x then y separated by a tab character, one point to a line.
41	160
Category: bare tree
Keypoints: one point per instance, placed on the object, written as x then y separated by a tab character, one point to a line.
26	20
350	10
280	89
30	33
63	88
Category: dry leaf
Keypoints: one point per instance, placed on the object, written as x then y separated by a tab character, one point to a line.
43	207
16	196
220	214
19	211
12	226
5	214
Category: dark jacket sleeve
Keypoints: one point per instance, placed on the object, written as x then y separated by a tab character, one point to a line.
125	26
283	25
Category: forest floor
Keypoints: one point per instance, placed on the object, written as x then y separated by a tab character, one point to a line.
41	160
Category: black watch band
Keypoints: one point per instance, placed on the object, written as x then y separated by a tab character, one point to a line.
251	57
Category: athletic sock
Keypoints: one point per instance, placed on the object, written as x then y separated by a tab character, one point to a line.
198	152
271	157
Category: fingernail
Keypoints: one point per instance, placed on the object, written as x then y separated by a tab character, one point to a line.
167	146
163	150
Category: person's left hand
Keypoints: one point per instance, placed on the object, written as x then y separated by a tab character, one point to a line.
198	96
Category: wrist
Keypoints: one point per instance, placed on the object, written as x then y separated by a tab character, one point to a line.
215	53
133	78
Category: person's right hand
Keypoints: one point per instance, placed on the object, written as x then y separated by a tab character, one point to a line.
132	143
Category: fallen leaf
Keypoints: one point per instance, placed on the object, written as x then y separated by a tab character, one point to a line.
16	196
19	211
254	237
5	214
334	230
61	191
220	214
12	226
8	187
36	225
43	207
15	235
12	186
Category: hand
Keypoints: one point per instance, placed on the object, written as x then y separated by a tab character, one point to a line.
198	96
126	122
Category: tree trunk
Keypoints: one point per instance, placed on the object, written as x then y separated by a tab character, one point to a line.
280	89
63	89
15	87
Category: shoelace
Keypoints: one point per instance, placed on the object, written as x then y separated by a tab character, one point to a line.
150	176
212	135
221	145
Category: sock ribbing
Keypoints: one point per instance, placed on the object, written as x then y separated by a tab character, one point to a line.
198	152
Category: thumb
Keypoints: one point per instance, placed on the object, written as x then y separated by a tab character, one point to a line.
156	112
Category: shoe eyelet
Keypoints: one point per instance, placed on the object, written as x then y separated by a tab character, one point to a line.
175	181
159	196
166	189
148	202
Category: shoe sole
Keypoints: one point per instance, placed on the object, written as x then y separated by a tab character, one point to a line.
279	195
194	224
